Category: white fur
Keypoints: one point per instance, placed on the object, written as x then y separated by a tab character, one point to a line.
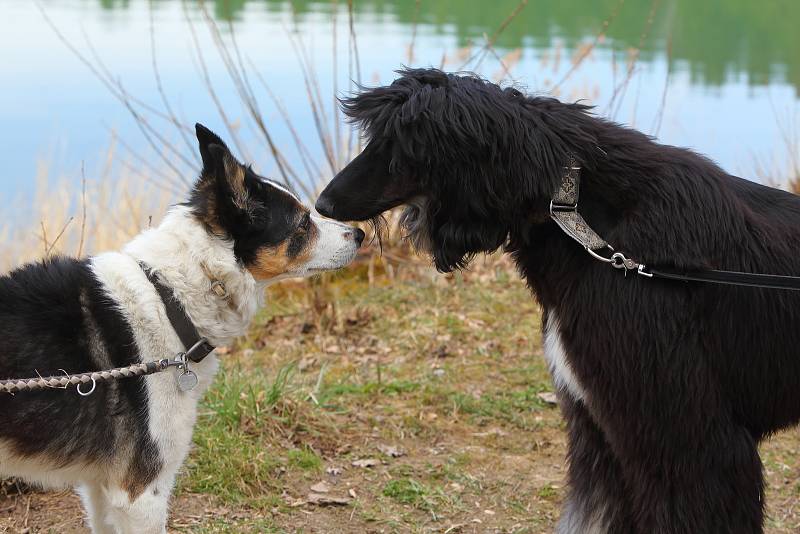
335	247
582	518
188	259
41	469
281	187
558	362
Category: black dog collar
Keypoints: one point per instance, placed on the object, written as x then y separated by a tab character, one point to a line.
197	348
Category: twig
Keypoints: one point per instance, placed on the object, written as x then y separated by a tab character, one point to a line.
588	50
335	76
27	512
660	115
305	155
102	77
44	238
114	87
142	123
353	40
414	24
238	76
620	90
83	210
145	163
182	129
506	69
207	82
55	241
316	113
481	53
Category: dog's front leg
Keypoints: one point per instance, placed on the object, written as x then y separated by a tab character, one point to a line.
97	507
145	513
597	502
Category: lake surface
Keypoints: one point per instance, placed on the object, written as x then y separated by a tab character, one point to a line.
720	76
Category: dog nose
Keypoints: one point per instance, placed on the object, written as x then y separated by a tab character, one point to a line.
324	206
358	236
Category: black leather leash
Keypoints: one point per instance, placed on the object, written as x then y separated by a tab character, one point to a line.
564	211
197	348
731	278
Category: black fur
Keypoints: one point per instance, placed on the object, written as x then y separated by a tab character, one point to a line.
255	216
57	319
682	380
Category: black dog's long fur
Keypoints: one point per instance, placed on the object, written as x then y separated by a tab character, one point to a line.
682	380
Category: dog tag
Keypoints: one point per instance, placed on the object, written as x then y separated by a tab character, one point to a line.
187	381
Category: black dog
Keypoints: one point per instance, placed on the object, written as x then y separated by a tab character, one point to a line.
667	387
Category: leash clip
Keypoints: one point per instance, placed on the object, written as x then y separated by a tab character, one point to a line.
620	261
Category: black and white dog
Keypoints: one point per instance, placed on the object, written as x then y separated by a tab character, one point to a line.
666	387
123	445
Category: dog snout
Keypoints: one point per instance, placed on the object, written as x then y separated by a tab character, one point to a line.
324	206
358	235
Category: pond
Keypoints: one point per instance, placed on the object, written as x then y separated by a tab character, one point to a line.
719	76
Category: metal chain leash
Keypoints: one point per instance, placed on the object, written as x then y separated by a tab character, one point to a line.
15	385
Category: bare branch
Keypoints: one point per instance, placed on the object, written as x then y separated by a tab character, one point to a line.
481	53
83	210
588	50
619	91
55	241
182	129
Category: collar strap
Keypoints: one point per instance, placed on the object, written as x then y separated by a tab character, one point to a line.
564	211
197	348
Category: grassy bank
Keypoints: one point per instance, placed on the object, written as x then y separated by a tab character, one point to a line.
383	400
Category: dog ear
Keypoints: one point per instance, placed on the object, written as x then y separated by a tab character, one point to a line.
220	195
206	138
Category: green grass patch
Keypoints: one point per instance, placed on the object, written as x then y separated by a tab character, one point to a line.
231	458
516	407
305	459
547	492
394	387
407	491
224	526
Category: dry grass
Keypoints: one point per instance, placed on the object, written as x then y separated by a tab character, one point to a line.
414	397
104	214
434	379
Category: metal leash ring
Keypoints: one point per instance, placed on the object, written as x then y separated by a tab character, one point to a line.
81	393
619	261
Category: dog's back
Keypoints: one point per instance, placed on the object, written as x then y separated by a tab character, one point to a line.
57	319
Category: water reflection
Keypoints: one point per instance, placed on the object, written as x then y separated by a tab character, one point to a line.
714	39
720	76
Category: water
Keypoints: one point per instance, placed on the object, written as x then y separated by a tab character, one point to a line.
725	72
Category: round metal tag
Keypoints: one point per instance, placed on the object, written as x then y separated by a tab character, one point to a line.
187	381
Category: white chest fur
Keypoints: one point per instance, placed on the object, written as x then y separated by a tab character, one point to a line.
558	362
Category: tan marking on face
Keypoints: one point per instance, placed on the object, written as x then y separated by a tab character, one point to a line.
271	262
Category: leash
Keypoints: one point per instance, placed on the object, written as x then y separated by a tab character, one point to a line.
15	385
197	348
564	211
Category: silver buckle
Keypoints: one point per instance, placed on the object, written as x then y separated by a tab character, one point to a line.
555	207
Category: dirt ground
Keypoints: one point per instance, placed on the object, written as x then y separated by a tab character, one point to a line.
366	403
